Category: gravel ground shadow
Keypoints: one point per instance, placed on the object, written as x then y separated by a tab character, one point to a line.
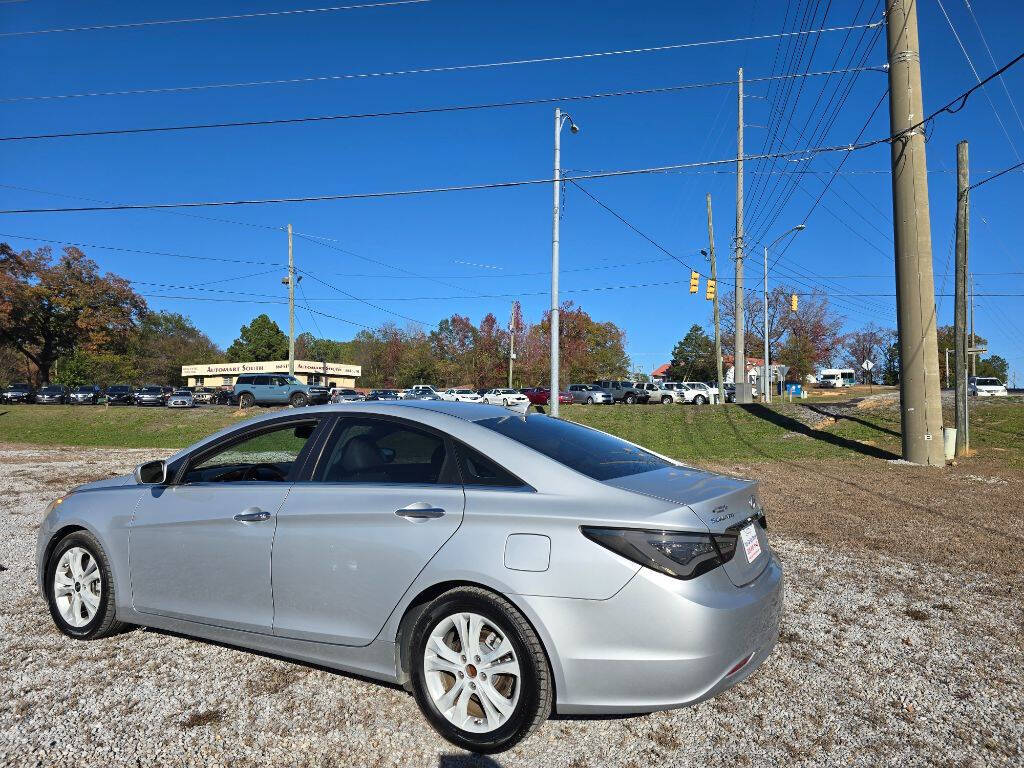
792	425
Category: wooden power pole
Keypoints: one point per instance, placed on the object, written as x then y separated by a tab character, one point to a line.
920	394
718	332
291	306
739	375
960	309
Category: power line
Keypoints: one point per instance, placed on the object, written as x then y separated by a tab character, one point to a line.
420	111
356	298
201	19
430	70
995	176
992	58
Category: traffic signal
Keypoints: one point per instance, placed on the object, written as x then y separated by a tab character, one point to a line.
694	281
792	302
709	294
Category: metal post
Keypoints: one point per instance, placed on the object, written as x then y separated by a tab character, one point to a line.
554	265
767	381
718	332
512	342
963	183
920	397
974	341
291	306
739	353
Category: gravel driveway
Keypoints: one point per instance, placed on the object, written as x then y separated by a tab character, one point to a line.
883	660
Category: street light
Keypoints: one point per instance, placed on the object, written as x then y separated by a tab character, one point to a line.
560	120
766	380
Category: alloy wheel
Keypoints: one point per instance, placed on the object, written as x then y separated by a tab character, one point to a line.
77	586
472	673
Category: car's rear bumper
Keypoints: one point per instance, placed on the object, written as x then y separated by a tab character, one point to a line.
659	643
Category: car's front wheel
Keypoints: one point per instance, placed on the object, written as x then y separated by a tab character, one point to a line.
246	400
590	401
80	588
699	400
298	400
665	400
479	673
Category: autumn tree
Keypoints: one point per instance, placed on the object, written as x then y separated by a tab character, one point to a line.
866	344
812	336
50	308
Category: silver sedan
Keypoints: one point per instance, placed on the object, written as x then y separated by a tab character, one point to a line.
500	566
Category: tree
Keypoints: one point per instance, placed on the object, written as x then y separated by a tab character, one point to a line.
49	308
995	367
753	313
812	336
261	340
693	358
165	341
865	344
891	361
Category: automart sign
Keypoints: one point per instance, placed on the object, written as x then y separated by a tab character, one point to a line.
272	366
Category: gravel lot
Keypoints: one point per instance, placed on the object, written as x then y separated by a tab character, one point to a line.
889	654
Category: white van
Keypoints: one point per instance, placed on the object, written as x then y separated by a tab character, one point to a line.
837	377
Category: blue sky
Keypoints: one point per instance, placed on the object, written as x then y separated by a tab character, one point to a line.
480	243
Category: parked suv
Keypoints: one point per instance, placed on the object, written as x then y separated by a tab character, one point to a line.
151	395
18	393
277	389
54	394
120	394
658	393
623	391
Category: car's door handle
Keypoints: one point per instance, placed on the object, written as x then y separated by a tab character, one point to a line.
419	511
252	515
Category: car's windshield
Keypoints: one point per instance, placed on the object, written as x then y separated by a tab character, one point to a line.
593	453
989	383
20	386
182	392
465	392
152	390
118	389
50	390
83	390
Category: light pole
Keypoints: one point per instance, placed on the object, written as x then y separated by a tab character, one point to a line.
766	380
560	120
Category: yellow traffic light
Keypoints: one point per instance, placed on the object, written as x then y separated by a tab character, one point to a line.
709	294
694	281
792	302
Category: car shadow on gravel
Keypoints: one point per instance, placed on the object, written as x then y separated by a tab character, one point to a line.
467	760
792	425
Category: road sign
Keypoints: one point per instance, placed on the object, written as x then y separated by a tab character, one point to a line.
867	365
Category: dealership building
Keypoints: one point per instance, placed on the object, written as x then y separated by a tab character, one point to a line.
308	371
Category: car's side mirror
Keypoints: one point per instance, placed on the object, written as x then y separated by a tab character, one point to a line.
151	473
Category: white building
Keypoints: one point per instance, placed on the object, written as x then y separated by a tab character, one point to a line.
308	371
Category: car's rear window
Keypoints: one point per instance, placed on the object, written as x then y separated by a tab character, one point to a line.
594	454
989	382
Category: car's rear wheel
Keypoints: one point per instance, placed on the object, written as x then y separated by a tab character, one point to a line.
700	400
246	400
590	401
298	400
504	401
80	588
479	673
665	400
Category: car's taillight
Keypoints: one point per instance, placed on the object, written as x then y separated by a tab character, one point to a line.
680	555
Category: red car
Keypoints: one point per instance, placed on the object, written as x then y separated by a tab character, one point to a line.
541	395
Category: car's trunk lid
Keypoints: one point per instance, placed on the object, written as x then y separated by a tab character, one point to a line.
722	503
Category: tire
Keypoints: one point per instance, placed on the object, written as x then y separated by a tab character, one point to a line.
700	400
530	693
504	401
666	400
246	400
590	401
629	399
298	400
81	547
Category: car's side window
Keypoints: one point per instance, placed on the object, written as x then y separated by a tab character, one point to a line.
268	456
261	381
478	470
384	451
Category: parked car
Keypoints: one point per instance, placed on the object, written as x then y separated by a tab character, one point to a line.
344	395
168	391
506	397
87	394
383	394
19	393
702	393
277	389
151	395
623	391
181	398
590	394
730	392
461	396
986	387
53	394
203	395
542	396
657	393
120	394
550	567
225	395
418	389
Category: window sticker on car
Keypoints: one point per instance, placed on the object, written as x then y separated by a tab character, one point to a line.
751	546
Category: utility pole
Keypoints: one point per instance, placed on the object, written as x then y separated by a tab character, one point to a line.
960	307
947	368
512	342
920	398
974	343
560	119
739	375
291	306
718	332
